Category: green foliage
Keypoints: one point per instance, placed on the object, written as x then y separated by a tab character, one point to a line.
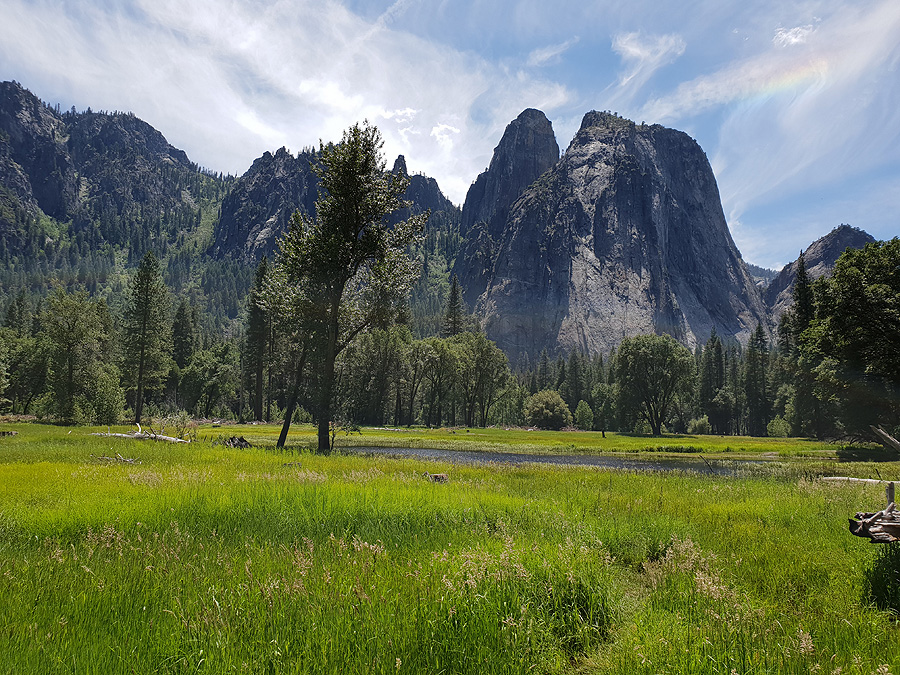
146	339
699	426
882	587
584	416
547	410
349	263
853	347
778	427
80	368
651	371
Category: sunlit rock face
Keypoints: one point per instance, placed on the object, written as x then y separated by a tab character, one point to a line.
624	235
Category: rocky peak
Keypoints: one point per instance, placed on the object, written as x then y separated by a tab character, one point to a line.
36	136
819	259
400	165
258	208
625	235
527	149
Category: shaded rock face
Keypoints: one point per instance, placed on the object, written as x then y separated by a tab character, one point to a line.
88	168
257	210
527	149
625	235
819	259
36	164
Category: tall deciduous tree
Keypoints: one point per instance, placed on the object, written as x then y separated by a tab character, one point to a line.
856	338
350	260
146	342
651	370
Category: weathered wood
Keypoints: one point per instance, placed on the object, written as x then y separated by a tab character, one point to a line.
8	433
886	439
880	527
140	436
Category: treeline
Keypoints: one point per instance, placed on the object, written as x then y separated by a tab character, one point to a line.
831	372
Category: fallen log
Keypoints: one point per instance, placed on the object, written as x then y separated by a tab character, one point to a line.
881	527
8	433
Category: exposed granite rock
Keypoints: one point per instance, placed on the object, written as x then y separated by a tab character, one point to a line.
258	209
108	177
819	259
527	149
625	235
36	138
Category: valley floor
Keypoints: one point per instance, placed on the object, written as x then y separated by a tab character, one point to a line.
204	558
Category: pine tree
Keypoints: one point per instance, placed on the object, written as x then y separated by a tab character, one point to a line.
258	331
756	389
455	316
183	335
146	341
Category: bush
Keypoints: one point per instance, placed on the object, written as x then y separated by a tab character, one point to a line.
547	410
778	428
699	426
584	416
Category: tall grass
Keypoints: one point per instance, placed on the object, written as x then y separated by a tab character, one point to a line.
202	558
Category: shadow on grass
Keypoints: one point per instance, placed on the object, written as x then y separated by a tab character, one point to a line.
883	579
861	453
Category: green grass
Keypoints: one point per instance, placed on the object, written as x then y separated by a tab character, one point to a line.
205	559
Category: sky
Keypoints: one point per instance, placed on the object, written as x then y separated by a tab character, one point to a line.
796	103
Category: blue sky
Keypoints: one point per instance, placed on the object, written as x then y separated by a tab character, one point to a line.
797	104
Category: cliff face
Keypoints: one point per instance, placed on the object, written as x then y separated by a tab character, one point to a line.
819	259
625	235
257	211
527	149
111	175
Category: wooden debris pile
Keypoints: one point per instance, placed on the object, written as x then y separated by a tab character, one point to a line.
882	526
141	435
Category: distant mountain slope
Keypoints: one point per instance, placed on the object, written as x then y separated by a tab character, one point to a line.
819	259
624	235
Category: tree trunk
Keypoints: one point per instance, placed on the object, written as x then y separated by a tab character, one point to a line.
292	401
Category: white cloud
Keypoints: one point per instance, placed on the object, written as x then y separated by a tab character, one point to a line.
785	37
228	81
551	54
644	55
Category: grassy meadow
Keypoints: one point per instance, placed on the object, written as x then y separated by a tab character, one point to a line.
202	558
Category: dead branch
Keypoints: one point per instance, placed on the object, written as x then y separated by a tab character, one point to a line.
118	458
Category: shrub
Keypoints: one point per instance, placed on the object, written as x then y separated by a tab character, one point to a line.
699	426
584	416
547	410
778	428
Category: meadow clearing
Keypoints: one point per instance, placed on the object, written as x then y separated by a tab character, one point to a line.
202	558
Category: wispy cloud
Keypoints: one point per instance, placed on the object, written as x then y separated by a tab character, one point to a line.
643	55
551	54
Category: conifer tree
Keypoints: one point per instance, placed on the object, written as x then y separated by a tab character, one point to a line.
455	316
183	335
146	343
258	332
